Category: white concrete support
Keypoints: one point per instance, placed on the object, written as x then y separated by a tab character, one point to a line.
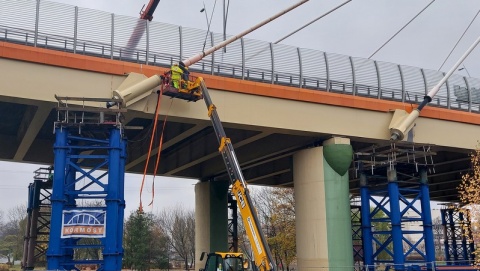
310	216
322	210
211	219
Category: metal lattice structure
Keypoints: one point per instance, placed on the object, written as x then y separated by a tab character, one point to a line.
87	137
394	179
357	239
38	218
458	240
232	224
85	31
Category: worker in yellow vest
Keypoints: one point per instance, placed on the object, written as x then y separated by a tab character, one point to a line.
177	73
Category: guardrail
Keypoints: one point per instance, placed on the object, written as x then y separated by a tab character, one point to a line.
91	32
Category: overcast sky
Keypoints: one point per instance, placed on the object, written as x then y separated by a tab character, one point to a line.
357	29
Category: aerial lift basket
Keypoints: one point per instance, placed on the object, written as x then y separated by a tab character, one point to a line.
188	90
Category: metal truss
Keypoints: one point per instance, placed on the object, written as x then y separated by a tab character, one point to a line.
458	240
89	175
397	229
357	239
232	224
38	219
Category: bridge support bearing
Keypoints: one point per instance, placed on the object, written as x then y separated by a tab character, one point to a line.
211	218
322	206
390	235
458	249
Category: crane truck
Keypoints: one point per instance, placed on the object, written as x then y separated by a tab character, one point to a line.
191	88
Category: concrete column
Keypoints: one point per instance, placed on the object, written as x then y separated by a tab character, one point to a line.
211	219
322	207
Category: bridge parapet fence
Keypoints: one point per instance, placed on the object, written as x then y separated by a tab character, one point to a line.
97	33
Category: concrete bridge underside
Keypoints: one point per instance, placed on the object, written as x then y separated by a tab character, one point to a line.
266	128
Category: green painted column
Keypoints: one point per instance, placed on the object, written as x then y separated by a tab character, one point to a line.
322	206
211	218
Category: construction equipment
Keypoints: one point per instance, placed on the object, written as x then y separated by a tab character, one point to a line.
147	13
224	261
178	83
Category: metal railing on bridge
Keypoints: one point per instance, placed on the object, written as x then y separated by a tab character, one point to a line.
91	32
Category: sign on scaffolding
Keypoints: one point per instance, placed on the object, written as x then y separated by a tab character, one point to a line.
83	224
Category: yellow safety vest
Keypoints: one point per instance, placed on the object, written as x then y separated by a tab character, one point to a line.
176	73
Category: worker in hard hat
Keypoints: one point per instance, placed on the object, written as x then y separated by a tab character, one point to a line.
185	70
176	75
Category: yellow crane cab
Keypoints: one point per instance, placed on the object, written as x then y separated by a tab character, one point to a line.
224	261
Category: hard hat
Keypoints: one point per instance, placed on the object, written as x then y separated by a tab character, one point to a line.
175	63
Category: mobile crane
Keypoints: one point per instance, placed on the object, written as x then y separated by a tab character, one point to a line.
191	88
145	14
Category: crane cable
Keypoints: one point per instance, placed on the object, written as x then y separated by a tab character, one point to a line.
157	111
298	29
160	143
208	22
398	32
461	37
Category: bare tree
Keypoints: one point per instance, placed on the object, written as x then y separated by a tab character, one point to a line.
1	220
191	235
179	225
12	233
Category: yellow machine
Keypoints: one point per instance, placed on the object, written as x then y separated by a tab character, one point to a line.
224	261
261	252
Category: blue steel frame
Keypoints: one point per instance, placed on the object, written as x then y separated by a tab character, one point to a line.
458	251
394	202
357	240
72	154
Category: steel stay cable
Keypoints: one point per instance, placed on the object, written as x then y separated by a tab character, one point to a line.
158	153
157	109
299	29
398	32
458	41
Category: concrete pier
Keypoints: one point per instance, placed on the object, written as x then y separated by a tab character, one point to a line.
321	191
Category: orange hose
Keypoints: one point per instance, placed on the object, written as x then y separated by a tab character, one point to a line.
158	154
157	111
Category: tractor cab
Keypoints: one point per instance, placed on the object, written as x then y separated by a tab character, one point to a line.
224	261
180	84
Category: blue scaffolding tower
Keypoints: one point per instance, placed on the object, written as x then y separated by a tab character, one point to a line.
458	239
357	239
88	186
395	196
38	218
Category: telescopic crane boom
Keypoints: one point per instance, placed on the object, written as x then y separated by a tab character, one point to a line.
192	89
147	13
